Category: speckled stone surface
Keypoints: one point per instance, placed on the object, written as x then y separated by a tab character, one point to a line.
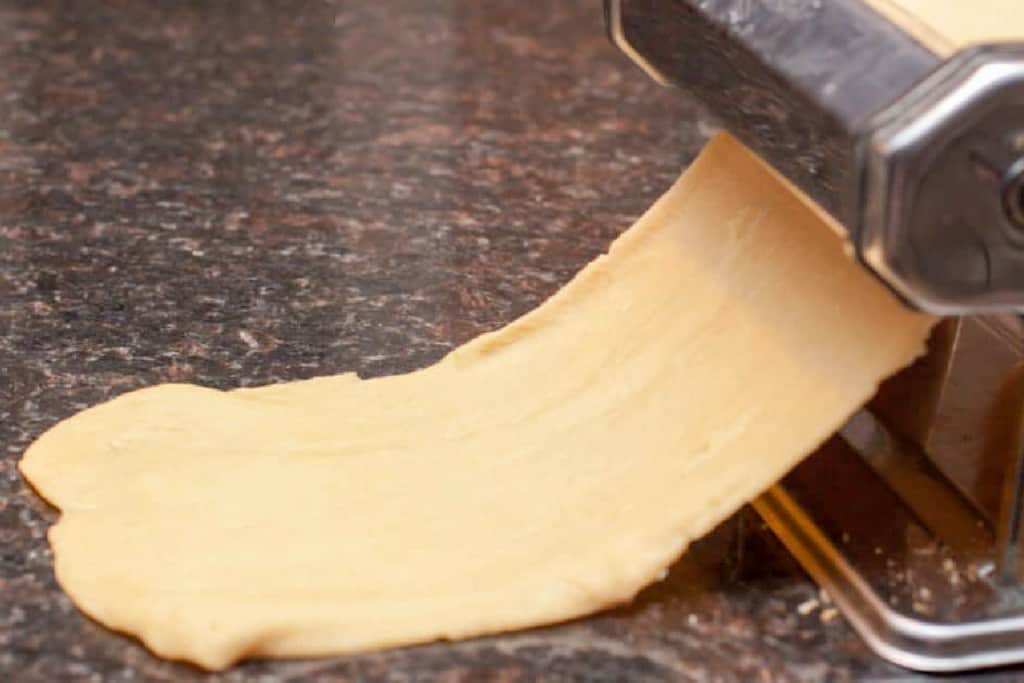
234	193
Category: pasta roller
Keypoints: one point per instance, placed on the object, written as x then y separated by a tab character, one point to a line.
911	516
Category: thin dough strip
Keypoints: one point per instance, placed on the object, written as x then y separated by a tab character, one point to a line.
946	26
538	473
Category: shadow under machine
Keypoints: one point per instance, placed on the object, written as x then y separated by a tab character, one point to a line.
911	517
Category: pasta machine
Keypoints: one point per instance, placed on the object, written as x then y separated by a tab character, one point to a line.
911	517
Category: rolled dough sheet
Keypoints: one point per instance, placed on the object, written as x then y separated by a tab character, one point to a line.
538	473
949	25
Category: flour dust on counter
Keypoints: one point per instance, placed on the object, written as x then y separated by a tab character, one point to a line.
538	473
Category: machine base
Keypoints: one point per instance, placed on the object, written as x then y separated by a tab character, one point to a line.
912	570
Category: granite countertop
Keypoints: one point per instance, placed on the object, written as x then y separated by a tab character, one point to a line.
235	193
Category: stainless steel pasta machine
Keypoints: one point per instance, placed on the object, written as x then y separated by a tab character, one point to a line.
911	517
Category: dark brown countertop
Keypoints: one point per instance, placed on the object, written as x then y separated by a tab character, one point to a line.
236	193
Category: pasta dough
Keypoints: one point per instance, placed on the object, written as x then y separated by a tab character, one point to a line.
538	473
948	25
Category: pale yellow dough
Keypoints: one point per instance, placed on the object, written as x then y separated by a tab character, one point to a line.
538	473
948	25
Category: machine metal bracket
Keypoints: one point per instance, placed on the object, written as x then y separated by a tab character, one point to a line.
617	34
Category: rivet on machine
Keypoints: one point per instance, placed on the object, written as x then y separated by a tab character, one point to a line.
911	517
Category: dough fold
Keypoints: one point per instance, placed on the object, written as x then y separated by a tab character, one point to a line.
538	473
946	26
